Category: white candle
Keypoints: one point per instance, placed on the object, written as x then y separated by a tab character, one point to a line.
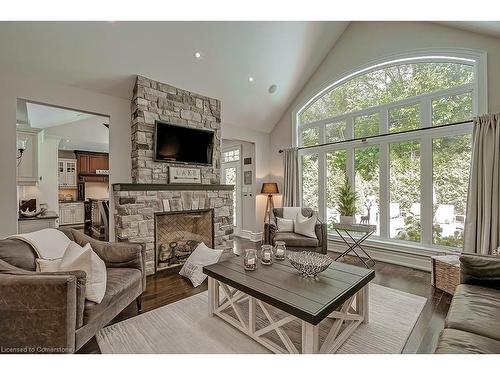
251	261
279	252
267	256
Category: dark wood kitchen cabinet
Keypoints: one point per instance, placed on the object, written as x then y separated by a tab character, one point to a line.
89	162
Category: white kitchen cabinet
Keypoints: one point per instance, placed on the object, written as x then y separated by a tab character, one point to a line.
28	226
71	213
27	166
67	173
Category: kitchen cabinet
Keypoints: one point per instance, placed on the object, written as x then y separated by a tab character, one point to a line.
67	173
27	166
89	162
71	213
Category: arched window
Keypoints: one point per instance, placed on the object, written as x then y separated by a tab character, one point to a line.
412	185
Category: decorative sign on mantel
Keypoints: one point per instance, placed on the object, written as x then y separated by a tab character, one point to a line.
181	175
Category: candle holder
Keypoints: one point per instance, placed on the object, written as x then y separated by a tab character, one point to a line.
280	250
250	260
266	255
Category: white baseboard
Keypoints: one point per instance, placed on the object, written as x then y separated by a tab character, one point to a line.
249	235
406	259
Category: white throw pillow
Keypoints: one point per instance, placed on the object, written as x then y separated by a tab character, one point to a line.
200	257
47	265
284	225
77	258
305	226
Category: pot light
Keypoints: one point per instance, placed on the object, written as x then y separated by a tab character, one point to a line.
250	79
272	89
197	55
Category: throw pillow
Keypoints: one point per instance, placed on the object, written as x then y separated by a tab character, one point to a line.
47	265
77	258
200	257
305	226
284	225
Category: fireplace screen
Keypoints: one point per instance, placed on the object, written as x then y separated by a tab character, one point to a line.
178	233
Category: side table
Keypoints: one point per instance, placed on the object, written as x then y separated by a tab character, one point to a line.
354	243
445	272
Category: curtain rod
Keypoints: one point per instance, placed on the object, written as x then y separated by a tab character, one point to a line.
382	135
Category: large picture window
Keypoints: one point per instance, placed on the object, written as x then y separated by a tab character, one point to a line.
411	184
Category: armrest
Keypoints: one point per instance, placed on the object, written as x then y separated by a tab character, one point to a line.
482	270
38	313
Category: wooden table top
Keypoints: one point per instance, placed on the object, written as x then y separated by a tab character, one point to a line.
282	286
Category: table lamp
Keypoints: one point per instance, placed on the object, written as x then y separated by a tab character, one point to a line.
269	188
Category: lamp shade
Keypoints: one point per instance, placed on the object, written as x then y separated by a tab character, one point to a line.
269	188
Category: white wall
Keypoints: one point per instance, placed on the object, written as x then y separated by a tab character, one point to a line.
53	93
261	161
363	42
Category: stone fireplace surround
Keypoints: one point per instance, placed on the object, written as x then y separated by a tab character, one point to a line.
136	205
150	193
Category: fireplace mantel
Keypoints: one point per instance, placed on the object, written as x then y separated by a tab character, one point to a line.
170	187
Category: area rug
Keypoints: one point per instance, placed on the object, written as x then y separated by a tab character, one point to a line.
185	327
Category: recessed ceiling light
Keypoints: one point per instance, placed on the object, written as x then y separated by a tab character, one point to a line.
197	55
250	79
272	89
67	140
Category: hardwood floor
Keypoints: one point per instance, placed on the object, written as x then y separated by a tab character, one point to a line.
165	288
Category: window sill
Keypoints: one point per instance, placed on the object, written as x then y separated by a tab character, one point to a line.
401	247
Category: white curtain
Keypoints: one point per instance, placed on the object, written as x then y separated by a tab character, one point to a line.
482	223
291	178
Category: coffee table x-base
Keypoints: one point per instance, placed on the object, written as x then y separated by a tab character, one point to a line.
243	298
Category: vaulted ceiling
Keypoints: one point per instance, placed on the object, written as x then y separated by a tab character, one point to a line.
105	57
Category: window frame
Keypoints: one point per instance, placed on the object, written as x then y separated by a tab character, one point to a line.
477	88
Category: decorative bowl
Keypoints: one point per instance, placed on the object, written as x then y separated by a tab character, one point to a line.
309	263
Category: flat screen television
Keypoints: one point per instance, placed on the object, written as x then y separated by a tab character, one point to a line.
182	144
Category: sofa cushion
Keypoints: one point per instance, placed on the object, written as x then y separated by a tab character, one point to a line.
452	341
122	284
295	240
18	254
476	310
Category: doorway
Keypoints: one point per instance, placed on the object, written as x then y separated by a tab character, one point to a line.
231	175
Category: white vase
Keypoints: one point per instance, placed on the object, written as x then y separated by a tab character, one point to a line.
347	219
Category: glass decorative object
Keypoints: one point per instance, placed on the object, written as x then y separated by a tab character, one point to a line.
250	260
266	255
309	263
280	250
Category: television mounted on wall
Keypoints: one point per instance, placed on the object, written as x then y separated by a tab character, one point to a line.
183	144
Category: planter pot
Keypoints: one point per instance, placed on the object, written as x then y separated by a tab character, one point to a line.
347	219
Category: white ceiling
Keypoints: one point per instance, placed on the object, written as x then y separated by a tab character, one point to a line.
43	116
105	57
77	130
482	27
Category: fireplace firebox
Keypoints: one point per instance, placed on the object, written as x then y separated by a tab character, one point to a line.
178	233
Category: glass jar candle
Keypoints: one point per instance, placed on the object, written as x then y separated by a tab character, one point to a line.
250	260
280	250
266	254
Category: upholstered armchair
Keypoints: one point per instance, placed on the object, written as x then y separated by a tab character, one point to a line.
295	241
46	312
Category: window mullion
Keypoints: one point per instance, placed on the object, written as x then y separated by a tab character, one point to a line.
384	190
350	150
426	194
322	186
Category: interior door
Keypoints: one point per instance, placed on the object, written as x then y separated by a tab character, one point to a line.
231	175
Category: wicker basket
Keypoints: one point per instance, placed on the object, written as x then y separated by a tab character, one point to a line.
445	273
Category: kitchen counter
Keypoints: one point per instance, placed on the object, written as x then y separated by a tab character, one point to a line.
45	216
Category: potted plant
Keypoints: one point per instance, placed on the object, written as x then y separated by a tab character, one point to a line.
346	202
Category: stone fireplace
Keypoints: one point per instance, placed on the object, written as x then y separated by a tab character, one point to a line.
150	210
177	234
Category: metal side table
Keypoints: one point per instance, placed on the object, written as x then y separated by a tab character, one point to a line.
354	243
